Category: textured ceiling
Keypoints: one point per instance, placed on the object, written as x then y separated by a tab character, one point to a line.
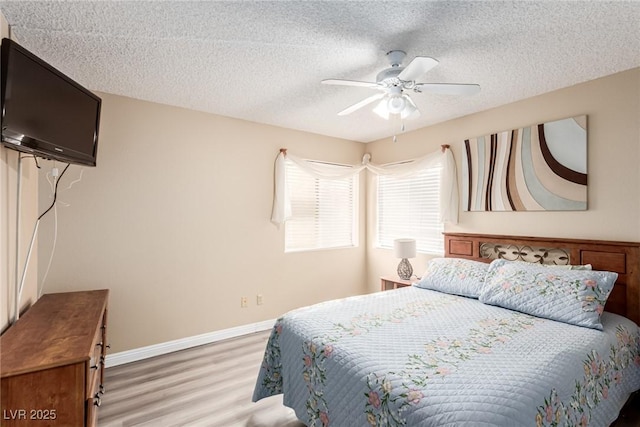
263	61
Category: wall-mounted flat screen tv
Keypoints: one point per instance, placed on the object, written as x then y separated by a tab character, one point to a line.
44	112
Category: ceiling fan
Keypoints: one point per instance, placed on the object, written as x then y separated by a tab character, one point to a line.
394	81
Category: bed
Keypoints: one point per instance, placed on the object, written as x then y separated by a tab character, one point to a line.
429	355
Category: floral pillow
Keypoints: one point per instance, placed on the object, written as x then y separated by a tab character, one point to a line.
571	296
454	276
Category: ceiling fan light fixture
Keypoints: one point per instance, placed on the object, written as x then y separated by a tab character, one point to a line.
392	82
396	104
388	108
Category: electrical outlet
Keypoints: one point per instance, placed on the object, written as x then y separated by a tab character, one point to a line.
259	299
244	303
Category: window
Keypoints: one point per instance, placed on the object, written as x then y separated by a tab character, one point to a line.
410	207
323	211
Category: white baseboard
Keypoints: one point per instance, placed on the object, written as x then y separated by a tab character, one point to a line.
142	353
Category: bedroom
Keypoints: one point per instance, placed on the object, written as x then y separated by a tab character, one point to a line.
174	227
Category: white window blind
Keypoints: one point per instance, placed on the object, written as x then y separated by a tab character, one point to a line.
323	211
409	208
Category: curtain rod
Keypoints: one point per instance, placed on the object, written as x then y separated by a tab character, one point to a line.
443	147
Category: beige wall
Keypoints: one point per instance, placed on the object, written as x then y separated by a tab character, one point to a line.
175	221
29	214
175	218
613	108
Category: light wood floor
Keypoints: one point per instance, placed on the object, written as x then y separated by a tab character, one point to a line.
210	385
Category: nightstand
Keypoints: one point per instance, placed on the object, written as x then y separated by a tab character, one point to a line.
394	282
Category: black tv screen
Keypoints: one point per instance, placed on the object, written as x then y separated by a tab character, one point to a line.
44	112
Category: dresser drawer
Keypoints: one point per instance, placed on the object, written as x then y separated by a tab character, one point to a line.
93	402
92	412
95	364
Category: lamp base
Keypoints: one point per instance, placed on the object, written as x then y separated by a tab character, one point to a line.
405	271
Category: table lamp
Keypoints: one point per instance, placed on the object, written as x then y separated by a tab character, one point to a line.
404	248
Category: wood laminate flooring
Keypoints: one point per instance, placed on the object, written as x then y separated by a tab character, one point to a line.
206	386
211	386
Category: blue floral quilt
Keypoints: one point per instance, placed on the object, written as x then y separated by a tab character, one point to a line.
416	357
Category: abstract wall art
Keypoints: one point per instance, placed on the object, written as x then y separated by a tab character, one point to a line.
537	168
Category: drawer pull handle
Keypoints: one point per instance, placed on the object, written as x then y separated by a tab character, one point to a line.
96	366
101	344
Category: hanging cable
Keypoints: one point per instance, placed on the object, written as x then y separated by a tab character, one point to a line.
52	182
53	250
35	232
55	193
16	290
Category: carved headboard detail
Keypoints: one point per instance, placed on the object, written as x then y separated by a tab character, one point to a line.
527	253
620	257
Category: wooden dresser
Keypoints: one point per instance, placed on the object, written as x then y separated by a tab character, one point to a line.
52	361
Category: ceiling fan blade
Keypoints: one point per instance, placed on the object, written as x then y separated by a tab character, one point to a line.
448	88
417	67
350	83
361	104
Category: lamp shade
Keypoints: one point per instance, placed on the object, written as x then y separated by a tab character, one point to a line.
410	111
404	248
395	104
381	109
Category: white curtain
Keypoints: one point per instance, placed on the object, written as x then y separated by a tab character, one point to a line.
442	158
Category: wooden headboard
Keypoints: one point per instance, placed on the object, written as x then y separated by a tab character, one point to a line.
620	257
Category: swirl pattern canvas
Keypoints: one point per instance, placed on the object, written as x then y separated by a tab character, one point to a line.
537	168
